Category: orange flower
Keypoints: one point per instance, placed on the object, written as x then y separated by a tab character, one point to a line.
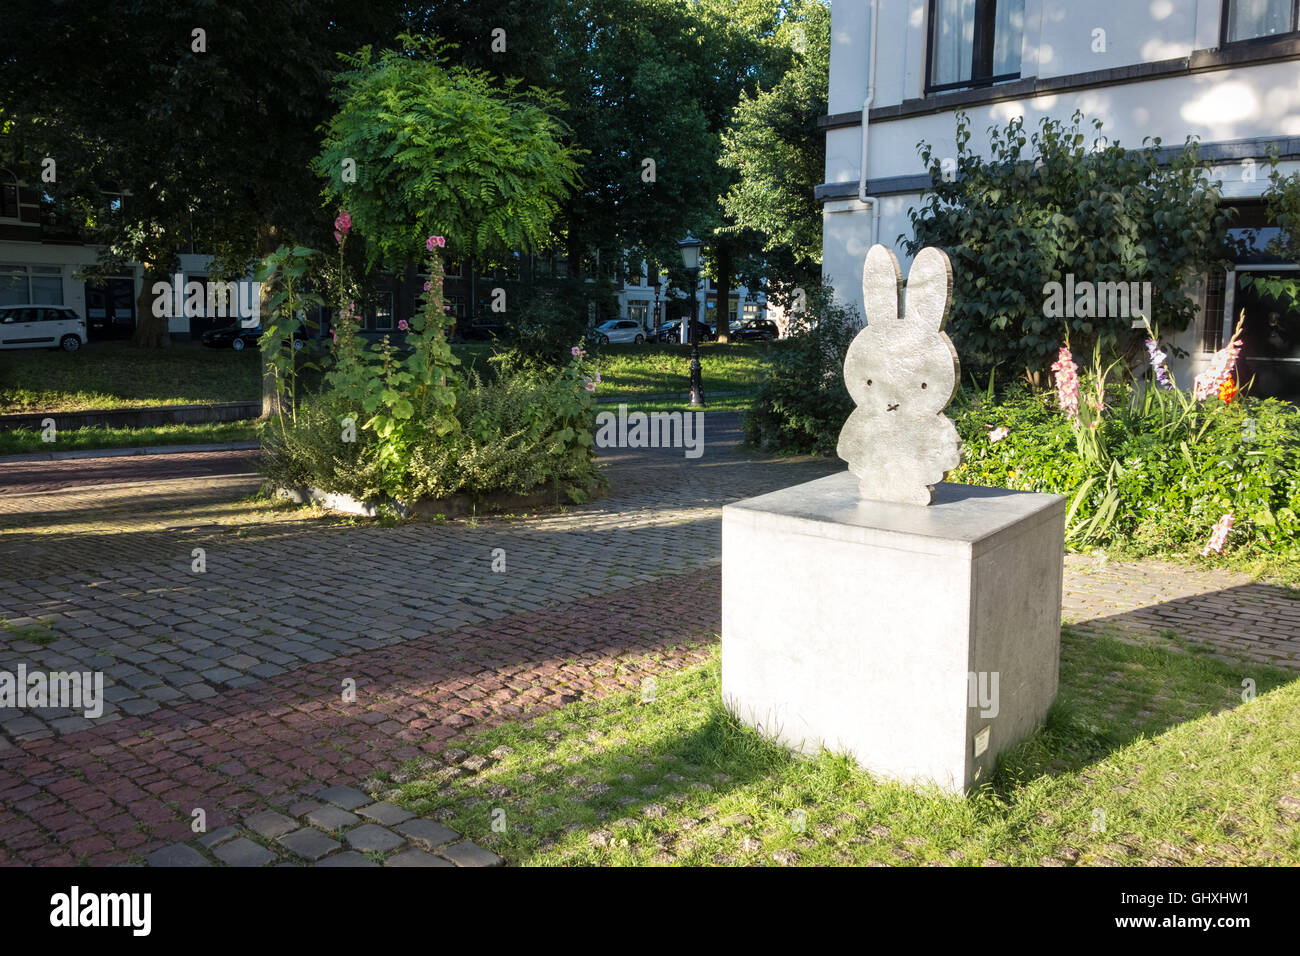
1228	390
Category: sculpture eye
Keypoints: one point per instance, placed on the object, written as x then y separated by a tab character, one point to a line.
923	384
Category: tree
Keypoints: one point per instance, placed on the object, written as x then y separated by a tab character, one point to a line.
438	149
777	152
203	120
1059	203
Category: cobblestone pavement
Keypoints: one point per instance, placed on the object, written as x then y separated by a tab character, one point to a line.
225	685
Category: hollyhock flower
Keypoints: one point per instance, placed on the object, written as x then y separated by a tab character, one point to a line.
335	336
577	352
590	386
597	378
435	242
1228	390
428	286
401	325
342	225
1219	535
997	434
1067	383
1158	359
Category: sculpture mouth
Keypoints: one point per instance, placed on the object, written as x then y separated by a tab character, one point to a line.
892	407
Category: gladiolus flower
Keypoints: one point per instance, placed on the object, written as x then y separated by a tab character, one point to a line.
1067	383
1158	359
1228	390
1219	535
1217	372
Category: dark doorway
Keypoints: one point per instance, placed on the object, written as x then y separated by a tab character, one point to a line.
110	308
1270	339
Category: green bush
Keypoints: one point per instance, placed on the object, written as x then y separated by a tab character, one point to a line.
801	403
1170	477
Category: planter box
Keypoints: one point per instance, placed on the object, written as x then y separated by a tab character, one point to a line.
453	506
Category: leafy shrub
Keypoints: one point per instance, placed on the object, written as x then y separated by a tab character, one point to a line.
801	403
1170	478
1047	204
518	433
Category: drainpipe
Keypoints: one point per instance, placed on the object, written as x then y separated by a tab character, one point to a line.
873	201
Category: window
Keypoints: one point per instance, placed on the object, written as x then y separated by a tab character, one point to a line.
1258	19
974	42
1212	314
638	312
384	312
40	284
455	305
8	197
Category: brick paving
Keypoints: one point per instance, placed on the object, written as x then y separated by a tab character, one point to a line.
227	687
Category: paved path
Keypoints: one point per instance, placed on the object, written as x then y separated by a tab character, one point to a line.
226	685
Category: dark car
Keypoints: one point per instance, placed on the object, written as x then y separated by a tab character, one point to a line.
239	338
755	330
671	332
478	332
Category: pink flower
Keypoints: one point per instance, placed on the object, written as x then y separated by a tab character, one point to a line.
590	386
334	335
998	434
1067	383
401	325
597	378
342	225
1219	535
435	241
576	352
427	286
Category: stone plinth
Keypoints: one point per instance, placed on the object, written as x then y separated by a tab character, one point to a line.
910	637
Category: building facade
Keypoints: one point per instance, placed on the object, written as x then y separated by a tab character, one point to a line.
1224	71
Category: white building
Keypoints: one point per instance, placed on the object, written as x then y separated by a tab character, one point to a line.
1225	71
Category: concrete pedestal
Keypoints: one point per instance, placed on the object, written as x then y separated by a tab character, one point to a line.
920	640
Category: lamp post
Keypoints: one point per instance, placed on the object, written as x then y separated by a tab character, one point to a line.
655	318
690	247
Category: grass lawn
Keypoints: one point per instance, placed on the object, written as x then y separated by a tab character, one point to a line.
1149	757
117	375
27	441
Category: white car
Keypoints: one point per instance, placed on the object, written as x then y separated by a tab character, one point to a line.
621	330
41	327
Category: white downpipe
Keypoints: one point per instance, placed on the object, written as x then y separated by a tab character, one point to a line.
873	201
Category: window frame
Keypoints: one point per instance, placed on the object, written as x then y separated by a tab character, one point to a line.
1225	43
977	41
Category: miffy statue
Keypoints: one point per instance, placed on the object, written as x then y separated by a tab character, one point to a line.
901	373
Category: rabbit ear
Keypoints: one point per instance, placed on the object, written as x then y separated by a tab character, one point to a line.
882	285
929	288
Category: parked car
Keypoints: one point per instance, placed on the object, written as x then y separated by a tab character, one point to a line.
239	338
41	326
755	330
672	332
620	330
477	332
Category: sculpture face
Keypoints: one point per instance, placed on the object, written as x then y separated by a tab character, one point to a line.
902	371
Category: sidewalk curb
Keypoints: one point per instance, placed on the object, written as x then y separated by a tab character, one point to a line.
126	452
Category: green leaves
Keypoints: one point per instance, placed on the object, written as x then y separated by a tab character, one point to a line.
442	150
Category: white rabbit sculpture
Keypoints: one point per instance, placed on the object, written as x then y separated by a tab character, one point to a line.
901	373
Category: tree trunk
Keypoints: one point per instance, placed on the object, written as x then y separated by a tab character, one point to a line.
150	330
270	399
723	265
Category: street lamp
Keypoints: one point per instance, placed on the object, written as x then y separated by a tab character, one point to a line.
690	247
656	312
